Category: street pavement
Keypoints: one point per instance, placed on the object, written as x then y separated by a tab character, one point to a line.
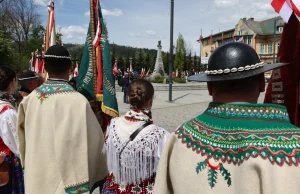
185	105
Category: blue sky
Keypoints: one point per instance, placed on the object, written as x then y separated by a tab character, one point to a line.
141	23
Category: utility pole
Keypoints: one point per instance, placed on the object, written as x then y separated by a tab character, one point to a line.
274	51
171	51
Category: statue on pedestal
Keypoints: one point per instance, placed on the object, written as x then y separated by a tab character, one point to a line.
159	66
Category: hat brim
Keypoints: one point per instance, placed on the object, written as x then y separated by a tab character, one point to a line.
236	75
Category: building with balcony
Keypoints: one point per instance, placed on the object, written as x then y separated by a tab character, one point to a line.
258	34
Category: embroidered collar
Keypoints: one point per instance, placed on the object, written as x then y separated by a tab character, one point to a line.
136	115
7	98
52	87
247	111
234	133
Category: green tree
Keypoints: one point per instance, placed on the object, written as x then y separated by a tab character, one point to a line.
113	55
166	60
6	50
180	54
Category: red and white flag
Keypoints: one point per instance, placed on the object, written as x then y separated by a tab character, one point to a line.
36	65
115	69
130	67
241	40
97	38
176	75
76	70
31	62
51	26
285	8
148	72
143	73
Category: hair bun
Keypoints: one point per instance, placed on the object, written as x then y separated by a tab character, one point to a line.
140	91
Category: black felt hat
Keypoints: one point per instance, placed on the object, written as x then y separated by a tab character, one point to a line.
27	75
57	52
232	61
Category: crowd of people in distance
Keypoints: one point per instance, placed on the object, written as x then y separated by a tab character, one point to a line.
53	142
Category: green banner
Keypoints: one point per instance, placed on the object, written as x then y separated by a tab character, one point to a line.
85	83
110	103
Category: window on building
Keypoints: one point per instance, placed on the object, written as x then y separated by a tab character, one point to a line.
230	35
262	49
248	40
270	50
280	29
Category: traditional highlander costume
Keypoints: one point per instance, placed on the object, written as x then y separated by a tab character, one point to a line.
132	163
9	146
236	147
60	139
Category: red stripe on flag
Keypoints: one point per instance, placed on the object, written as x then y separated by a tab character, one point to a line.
295	8
277	5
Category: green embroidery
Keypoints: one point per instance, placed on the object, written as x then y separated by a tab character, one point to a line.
82	188
213	174
218	137
42	97
212	177
52	88
225	174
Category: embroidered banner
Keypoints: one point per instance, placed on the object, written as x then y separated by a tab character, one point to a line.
284	83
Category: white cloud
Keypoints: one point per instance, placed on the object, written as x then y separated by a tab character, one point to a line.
226	3
87	13
69	36
105	12
134	34
40	2
114	12
151	33
73	29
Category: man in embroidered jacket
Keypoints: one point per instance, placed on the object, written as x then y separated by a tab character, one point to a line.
236	146
60	138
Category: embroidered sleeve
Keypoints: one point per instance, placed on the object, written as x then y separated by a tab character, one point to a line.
8	130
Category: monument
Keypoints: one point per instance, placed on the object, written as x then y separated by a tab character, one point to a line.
159	65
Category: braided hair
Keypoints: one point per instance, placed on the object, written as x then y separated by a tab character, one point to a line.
7	75
140	91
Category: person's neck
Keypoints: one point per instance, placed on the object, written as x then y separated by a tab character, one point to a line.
231	99
63	76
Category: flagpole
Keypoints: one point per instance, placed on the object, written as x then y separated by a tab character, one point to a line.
171	50
92	26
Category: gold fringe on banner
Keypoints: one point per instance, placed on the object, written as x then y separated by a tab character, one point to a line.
109	111
99	97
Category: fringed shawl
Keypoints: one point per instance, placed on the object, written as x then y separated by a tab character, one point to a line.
140	157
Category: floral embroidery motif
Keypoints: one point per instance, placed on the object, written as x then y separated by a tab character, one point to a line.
136	189
150	188
42	97
78	188
212	172
217	136
52	88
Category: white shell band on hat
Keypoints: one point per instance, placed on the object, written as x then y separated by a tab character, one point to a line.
26	78
233	70
57	57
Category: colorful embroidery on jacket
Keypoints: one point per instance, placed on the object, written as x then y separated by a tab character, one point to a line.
51	88
233	133
144	187
78	188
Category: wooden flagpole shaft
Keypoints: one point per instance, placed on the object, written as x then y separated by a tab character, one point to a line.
94	61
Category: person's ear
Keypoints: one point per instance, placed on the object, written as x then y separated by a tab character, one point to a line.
262	83
209	87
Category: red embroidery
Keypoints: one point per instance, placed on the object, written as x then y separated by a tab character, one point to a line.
3	147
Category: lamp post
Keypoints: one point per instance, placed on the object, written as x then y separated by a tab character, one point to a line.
275	30
171	50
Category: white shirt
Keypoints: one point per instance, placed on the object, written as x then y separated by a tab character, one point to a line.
8	132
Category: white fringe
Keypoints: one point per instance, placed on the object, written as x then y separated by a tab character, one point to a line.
139	159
